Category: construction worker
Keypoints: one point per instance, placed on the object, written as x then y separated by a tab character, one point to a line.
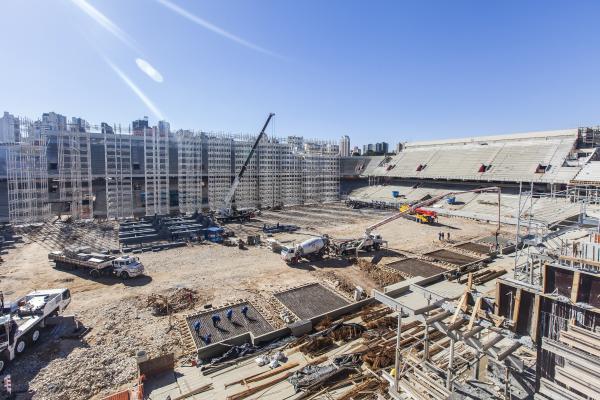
215	320
448	236
207	339
245	311
229	314
197	328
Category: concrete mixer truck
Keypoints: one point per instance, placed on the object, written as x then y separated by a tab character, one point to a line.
312	249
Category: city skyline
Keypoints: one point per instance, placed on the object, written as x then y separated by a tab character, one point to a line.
221	68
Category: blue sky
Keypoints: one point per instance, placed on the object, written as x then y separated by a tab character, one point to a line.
382	70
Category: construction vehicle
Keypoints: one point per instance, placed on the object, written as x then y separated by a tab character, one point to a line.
420	215
21	321
97	264
278	228
405	211
316	248
230	213
312	249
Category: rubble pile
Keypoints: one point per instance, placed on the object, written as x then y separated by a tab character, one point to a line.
105	360
381	276
174	301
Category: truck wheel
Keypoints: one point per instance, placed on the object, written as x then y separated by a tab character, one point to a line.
124	275
21	346
35	335
94	273
3	361
376	247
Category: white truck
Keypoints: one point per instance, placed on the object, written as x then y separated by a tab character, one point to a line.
22	320
316	248
313	248
98	264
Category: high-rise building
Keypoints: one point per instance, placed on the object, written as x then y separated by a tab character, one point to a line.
138	126
399	147
9	128
164	128
106	128
345	146
381	148
53	122
79	125
356	151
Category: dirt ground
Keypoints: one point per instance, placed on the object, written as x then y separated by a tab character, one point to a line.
122	323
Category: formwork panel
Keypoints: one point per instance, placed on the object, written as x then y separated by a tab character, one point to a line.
311	300
255	324
415	267
475	248
451	257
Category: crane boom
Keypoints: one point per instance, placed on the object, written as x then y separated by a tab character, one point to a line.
236	181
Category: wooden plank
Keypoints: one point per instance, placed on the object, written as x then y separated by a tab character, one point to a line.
253	390
461	304
476	308
575	287
535	318
575	382
516	308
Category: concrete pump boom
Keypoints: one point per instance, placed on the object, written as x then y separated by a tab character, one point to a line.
238	177
427	202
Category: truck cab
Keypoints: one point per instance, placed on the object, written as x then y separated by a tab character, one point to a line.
288	254
127	267
22	320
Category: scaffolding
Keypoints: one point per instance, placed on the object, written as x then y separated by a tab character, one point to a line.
27	178
331	177
156	157
290	176
246	195
118	176
219	170
269	173
75	173
189	172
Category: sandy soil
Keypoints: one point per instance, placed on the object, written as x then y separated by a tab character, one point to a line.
121	323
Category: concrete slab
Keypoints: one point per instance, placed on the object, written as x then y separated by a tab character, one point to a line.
311	300
416	267
451	257
225	329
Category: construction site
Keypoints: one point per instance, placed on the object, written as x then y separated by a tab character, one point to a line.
160	265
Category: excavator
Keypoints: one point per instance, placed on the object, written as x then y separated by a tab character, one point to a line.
412	209
230	213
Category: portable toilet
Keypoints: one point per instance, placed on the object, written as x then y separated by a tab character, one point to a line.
451	200
395	193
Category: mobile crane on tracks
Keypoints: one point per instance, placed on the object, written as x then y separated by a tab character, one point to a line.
230	213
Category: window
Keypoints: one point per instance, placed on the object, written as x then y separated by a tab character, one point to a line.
542	169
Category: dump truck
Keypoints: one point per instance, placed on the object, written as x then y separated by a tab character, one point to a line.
316	248
97	264
21	321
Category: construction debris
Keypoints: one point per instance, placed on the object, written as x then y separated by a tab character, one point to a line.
173	301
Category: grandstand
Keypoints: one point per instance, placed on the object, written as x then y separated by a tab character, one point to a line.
542	157
553	161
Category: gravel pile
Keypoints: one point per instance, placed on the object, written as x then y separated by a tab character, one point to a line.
104	360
